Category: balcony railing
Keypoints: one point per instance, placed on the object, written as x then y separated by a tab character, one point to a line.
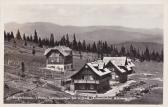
87	81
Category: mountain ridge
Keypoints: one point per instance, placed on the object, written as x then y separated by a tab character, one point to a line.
111	34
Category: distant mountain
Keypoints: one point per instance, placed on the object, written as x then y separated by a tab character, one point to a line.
112	34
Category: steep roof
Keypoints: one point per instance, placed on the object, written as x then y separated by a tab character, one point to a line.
119	61
118	68
99	72
130	63
98	63
94	68
62	49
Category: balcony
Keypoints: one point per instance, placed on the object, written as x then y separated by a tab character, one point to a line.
86	91
87	81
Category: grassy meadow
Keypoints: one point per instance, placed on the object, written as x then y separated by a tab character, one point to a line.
44	86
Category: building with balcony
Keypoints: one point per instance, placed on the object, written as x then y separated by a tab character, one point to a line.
91	78
59	58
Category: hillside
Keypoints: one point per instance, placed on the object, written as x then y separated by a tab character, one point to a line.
141	46
112	34
39	85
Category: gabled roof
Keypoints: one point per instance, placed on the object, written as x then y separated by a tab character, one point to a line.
62	49
130	63
118	68
119	61
99	72
94	68
99	63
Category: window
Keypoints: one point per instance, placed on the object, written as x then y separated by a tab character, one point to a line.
57	59
65	67
82	86
51	66
83	77
91	77
86	66
91	86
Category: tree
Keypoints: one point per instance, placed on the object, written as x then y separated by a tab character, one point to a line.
18	35
105	47
94	47
80	48
5	36
28	38
8	36
153	56
40	42
22	69
52	40
158	57
162	56
14	43
74	43
33	50
88	48
35	40
147	54
25	43
131	51
84	45
67	40
122	51
24	37
31	38
99	48
12	35
63	41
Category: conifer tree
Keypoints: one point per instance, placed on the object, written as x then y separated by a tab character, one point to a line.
147	54
52	40
84	45
31	38
40	42
28	38
12	35
162	56
25	43
35	39
74	43
80	48
18	35
94	47
33	50
67	40
122	51
63	41
5	36
24	37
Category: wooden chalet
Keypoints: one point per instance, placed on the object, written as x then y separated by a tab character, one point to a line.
91	78
59	58
117	73
122	62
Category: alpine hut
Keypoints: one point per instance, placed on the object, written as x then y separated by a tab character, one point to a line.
59	58
92	77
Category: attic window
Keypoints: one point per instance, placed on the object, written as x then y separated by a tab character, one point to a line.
86	66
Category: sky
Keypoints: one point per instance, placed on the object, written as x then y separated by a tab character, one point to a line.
128	15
